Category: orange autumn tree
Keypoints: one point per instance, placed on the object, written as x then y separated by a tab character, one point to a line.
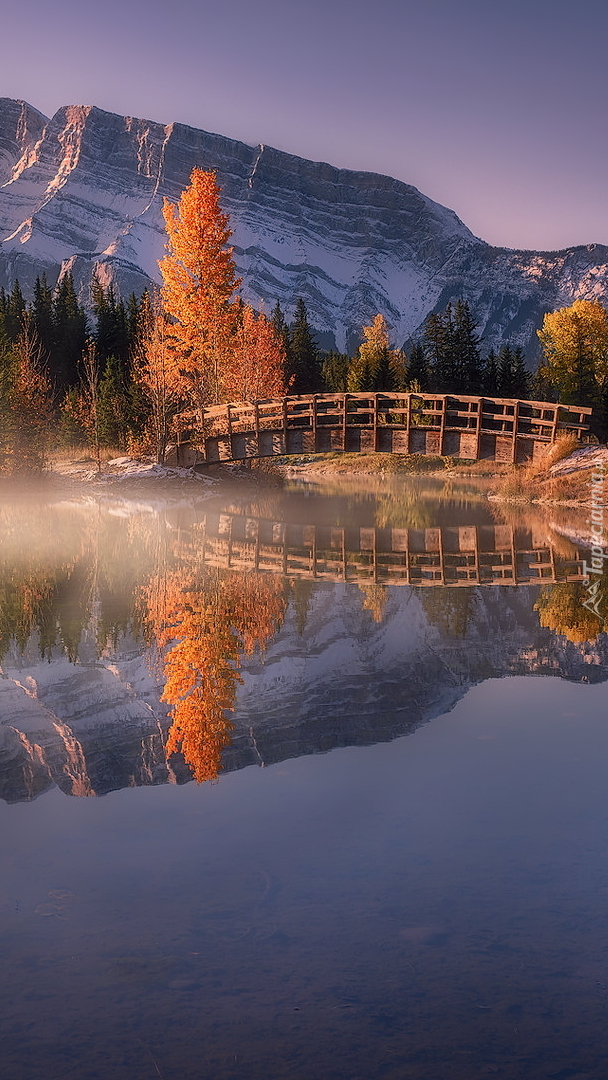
199	282
258	362
156	374
220	349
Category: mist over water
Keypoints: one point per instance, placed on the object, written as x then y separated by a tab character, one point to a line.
350	745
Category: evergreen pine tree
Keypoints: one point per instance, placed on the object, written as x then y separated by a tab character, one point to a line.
334	372
42	317
303	356
15	315
385	376
542	387
281	329
279	324
113	407
513	376
111	334
69	335
133	320
489	378
361	376
520	376
465	374
436	345
418	368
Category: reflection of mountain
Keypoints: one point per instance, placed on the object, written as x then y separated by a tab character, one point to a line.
331	677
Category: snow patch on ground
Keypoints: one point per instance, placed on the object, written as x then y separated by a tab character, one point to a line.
585	458
126	469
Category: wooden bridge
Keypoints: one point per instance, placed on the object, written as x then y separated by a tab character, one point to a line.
496	429
449	555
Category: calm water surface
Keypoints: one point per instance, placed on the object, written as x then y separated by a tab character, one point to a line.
395	865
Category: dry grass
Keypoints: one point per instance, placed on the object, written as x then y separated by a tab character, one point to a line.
557	451
534	483
81	455
371	464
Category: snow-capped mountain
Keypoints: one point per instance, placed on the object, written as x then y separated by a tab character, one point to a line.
84	191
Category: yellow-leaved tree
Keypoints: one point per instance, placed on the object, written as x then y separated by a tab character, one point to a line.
377	366
575	347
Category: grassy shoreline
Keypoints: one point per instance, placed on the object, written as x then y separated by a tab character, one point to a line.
562	478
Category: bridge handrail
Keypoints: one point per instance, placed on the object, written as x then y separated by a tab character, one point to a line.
407	409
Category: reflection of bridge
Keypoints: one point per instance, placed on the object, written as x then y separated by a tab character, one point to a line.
446	555
436	424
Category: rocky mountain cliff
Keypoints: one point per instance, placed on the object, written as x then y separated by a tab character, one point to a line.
84	191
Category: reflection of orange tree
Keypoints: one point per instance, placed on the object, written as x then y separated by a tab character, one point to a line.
560	608
208	627
374	599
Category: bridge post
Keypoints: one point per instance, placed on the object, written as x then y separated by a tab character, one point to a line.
313	421
408	430
515	430
344	421
256	422
444	407
375	422
478	428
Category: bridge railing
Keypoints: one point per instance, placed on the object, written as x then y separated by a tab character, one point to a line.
455	555
463	425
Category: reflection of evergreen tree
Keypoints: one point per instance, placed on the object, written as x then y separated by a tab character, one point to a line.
449	609
302	591
73	605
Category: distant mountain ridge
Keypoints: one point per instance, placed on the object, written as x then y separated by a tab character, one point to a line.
84	189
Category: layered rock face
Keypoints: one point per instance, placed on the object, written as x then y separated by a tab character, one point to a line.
84	191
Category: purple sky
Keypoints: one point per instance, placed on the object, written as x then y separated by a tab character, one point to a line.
495	109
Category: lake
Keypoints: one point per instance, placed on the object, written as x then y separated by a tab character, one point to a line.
300	783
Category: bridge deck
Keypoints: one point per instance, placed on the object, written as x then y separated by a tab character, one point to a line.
498	429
